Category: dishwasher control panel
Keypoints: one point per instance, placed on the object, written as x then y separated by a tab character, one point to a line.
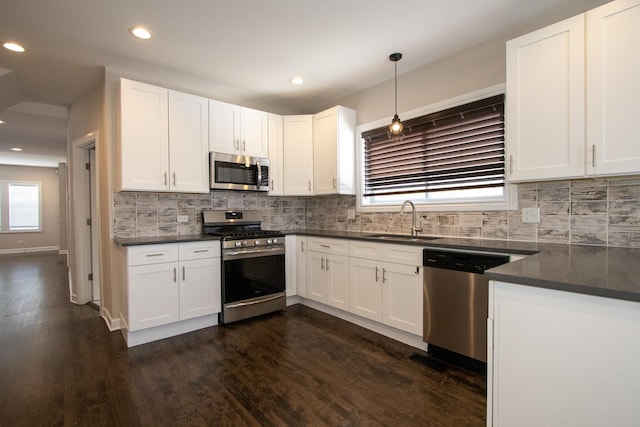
462	261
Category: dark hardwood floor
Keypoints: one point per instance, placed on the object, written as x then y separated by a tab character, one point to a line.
59	365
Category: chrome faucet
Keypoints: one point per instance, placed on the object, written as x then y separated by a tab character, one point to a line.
414	229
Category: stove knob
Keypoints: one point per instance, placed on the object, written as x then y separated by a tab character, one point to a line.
238	243
275	240
244	243
257	242
269	241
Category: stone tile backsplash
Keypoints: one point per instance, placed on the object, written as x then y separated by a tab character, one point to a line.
603	212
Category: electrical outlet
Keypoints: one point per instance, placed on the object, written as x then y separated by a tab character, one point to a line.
183	218
351	214
531	215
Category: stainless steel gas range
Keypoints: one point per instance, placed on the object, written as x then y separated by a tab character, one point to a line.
253	265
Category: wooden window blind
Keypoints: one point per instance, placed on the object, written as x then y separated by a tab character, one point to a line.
454	149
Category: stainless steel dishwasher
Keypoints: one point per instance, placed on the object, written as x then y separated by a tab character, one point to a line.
456	299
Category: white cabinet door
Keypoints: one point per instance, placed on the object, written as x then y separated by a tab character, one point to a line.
402	297
301	266
199	288
316	277
143	157
188	143
254	132
545	103
224	127
298	155
276	155
365	283
613	91
153	295
337	272
334	151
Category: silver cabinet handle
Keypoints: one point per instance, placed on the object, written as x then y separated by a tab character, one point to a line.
377	277
199	251
271	185
174	179
175	275
593	154
510	165
384	275
309	185
327	264
183	273
301	246
165	178
244	145
322	263
150	255
335	183
325	246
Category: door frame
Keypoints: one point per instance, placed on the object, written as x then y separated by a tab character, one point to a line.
80	254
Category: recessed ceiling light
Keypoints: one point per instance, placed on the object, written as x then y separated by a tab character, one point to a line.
16	149
140	32
296	80
1	122
13	46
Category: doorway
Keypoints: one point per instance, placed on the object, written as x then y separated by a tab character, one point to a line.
84	212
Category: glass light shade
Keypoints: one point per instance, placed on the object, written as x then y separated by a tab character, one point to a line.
396	125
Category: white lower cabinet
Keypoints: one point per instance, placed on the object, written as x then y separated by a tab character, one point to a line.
561	359
169	283
328	271
387	292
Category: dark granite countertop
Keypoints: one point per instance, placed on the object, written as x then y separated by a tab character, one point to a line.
157	240
590	270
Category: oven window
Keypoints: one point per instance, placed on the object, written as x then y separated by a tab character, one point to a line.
234	173
253	277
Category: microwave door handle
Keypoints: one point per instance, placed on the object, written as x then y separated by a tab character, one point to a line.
259	174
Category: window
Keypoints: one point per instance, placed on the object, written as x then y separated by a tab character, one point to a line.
20	206
452	158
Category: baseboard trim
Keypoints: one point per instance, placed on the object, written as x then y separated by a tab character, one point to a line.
113	324
144	336
30	250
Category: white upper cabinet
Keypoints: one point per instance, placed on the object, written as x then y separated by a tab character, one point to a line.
334	151
545	103
276	155
163	139
613	89
143	155
238	130
298	155
188	143
552	96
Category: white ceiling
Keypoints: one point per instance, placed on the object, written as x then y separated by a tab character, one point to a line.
242	51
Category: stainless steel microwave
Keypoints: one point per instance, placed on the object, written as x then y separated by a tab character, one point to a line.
236	172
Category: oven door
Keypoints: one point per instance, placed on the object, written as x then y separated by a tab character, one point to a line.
234	172
253	282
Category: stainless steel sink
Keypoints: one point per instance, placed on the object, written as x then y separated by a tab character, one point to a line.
402	237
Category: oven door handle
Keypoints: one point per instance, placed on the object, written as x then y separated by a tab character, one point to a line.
258	301
252	253
259	174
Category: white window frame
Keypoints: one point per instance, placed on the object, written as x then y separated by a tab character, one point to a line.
508	202
4	206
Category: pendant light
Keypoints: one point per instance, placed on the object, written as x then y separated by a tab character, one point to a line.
396	125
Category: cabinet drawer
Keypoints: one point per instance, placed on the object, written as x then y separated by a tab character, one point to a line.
152	254
402	254
199	250
328	246
366	250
